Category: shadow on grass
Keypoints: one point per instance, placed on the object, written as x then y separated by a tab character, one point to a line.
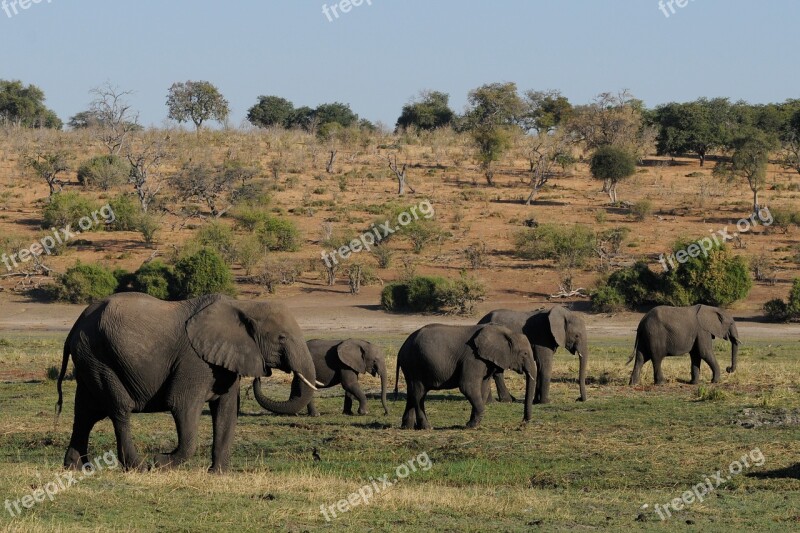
789	472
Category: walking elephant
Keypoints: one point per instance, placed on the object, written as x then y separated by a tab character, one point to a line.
137	354
339	362
666	331
546	331
439	357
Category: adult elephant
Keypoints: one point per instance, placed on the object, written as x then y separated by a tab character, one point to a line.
666	331
339	362
439	357
137	354
546	331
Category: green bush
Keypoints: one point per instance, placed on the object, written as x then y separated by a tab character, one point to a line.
217	236
82	284
779	311
204	272
127	213
641	210
104	171
567	246
249	217
156	279
279	234
718	278
66	209
607	299
427	294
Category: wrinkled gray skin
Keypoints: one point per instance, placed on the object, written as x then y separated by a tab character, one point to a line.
137	354
340	362
546	331
666	331
439	357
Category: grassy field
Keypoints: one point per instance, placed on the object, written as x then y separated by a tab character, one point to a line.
576	465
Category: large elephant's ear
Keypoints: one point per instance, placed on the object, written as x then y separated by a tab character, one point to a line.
557	317
222	334
493	343
351	354
713	321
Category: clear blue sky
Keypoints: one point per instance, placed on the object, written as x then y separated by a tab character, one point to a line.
378	56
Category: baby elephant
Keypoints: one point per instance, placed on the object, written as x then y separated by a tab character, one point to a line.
439	357
666	331
340	362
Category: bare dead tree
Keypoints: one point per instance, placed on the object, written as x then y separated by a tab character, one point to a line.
543	154
207	183
401	176
145	164
48	165
113	115
331	161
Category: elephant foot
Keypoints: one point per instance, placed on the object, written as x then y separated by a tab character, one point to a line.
730	370
313	412
507	399
407	426
165	461
73	460
580	399
715	380
425	426
218	469
473	424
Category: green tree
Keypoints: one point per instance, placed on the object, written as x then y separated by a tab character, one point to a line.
271	111
697	127
24	106
204	272
196	101
335	113
612	164
545	110
748	162
429	111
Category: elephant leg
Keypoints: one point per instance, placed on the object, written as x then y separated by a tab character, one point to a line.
707	355
486	391
186	420
545	365
695	356
312	409
350	385
126	450
637	369
223	418
409	416
658	375
475	396
502	391
84	420
422	416
347	408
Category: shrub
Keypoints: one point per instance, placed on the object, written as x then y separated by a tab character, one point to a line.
204	272
66	209
217	236
127	214
607	299
104	171
156	279
82	284
279	234
779	311
567	246
718	278
783	219
249	217
425	294
460	296
641	210
148	225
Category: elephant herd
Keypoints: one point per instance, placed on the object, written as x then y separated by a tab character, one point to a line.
136	354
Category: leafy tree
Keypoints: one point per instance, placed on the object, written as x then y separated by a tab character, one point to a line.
204	272
207	183
271	111
24	106
790	144
611	119
335	113
428	112
748	162
48	165
196	101
697	127
494	104
304	118
545	110
612	164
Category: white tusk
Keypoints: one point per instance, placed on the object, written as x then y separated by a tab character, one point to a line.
580	355
320	384
305	380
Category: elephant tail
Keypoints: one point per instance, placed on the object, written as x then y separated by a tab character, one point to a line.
64	364
635	348
396	379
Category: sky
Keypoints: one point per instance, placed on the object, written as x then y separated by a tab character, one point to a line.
379	55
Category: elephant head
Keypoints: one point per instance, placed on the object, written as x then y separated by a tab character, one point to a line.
251	339
721	325
364	357
509	351
569	331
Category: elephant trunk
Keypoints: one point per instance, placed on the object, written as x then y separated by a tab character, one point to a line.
530	370
382	372
583	357
734	355
300	363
